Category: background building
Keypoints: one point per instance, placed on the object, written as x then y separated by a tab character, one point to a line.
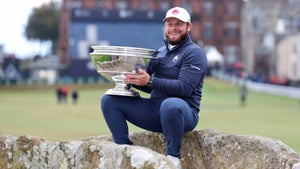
265	24
288	59
138	23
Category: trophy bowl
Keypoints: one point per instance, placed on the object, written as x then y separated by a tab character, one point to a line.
114	62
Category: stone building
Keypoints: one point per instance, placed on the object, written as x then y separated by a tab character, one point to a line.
265	23
288	59
138	23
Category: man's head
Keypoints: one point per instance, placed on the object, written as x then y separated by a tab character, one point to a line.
177	25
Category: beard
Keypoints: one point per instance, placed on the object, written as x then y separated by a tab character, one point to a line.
176	41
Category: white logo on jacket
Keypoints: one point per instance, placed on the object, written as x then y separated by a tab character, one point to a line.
195	67
175	58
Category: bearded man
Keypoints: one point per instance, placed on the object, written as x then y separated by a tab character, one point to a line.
174	79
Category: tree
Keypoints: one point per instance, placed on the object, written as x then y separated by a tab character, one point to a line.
43	24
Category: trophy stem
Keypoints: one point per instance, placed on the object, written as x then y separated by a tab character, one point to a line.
121	88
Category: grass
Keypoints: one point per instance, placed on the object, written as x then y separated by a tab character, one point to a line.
34	111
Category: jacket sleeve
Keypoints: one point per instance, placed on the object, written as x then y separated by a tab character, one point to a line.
145	89
192	71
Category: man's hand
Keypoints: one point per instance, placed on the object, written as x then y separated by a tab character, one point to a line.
140	78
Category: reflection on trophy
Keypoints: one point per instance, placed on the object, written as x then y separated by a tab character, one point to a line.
113	62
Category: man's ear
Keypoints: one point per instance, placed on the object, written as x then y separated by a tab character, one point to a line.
189	27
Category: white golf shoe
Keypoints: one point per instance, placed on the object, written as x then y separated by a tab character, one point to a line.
175	161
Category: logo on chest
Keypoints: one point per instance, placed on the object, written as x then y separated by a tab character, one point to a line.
175	59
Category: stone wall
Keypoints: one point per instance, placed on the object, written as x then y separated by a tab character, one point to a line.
204	149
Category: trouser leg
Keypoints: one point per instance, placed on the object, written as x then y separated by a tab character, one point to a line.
117	110
176	118
115	120
173	117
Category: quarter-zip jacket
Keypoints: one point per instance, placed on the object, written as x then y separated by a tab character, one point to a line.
178	72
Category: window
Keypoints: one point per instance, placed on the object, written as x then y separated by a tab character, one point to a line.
144	5
76	4
187	6
122	5
100	4
208	30
294	48
231	33
208	8
231	29
230	52
232	8
294	70
81	13
164	6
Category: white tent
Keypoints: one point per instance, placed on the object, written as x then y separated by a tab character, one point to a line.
213	55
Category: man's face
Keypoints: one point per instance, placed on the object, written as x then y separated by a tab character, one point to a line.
176	30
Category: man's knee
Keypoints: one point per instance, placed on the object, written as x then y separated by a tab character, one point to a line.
106	100
170	108
171	104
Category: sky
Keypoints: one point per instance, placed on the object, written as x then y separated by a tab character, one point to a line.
14	15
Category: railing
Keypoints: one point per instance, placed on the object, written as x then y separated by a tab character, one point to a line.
31	82
292	92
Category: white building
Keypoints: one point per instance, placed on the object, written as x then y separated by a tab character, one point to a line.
288	58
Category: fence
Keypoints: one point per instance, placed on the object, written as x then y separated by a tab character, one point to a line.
292	92
31	82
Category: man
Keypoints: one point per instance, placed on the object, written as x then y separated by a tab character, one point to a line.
243	94
175	80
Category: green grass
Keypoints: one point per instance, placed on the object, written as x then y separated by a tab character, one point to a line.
36	112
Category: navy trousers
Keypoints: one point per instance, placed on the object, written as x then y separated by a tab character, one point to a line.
171	116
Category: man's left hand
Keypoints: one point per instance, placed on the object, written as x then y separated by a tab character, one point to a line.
140	78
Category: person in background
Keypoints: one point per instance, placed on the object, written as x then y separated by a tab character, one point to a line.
243	94
74	96
59	95
175	80
64	92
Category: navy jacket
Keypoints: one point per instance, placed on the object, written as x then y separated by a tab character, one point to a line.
178	72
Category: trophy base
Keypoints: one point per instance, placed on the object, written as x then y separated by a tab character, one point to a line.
124	92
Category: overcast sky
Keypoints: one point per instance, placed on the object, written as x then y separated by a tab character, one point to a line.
13	16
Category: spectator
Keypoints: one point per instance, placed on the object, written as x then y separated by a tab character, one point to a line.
59	95
243	94
74	96
64	91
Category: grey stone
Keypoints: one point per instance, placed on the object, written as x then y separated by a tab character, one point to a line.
203	149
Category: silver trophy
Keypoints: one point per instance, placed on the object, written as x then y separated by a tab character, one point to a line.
114	62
